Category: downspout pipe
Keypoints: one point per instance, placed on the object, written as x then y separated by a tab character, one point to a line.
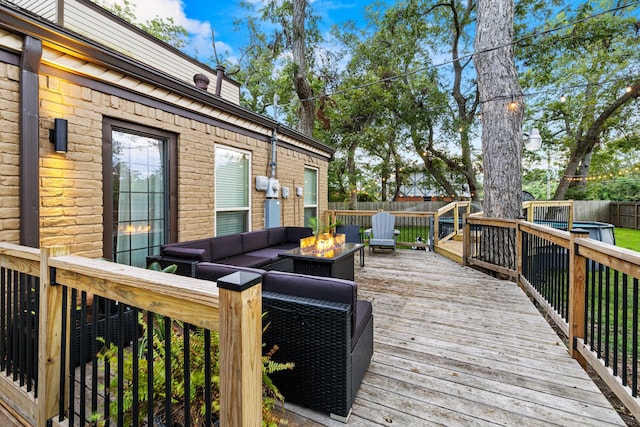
274	149
274	137
29	142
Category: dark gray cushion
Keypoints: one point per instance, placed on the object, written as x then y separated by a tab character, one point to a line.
186	253
246	261
364	311
225	246
213	271
193	244
277	235
322	288
294	234
271	253
254	240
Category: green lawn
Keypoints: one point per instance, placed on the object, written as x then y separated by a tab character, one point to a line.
627	238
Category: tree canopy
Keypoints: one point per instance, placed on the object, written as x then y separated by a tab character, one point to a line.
400	94
583	75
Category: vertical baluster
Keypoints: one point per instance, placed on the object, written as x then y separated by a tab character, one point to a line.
82	359
598	271
592	303
208	413
634	351
14	328
555	275
187	374
97	303
566	283
150	326
107	363
27	332
607	316
167	370
73	354
119	338
36	330
625	337
4	313
63	353
135	375
616	296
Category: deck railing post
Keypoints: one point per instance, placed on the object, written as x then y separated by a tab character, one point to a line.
49	342
519	248
436	229
530	211
466	242
577	277
456	220
240	350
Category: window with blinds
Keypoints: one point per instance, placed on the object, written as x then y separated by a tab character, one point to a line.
232	172
310	194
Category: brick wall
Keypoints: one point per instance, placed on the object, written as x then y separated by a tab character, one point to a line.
71	183
9	154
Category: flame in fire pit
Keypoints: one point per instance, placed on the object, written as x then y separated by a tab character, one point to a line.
323	244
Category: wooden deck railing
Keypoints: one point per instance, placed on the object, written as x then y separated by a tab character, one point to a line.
588	288
26	328
447	221
554	213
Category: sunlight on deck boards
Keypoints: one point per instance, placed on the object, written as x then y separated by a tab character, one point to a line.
453	346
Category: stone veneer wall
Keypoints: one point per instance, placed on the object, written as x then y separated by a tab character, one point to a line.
71	183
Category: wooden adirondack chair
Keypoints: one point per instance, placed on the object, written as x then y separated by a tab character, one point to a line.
382	231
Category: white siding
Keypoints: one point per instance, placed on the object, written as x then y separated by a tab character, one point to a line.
45	8
80	17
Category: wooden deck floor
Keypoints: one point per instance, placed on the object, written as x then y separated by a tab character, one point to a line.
453	346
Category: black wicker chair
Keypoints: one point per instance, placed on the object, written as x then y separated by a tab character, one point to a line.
331	353
113	327
319	324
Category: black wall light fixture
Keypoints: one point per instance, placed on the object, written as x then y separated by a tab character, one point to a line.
58	135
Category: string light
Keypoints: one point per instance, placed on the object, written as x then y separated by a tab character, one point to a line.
605	176
628	89
513	106
563	98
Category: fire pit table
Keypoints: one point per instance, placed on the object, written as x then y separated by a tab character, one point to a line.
337	262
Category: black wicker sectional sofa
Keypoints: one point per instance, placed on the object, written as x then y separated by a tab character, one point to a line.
319	324
257	249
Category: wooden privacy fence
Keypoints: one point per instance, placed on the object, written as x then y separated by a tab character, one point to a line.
38	376
588	288
625	214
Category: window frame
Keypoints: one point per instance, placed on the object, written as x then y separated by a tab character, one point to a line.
248	208
170	178
315	206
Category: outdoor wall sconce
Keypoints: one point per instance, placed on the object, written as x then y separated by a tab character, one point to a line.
58	135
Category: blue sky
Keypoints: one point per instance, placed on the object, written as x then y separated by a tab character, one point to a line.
199	17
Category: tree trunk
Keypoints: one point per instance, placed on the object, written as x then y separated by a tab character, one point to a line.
301	82
502	113
502	109
351	168
584	172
